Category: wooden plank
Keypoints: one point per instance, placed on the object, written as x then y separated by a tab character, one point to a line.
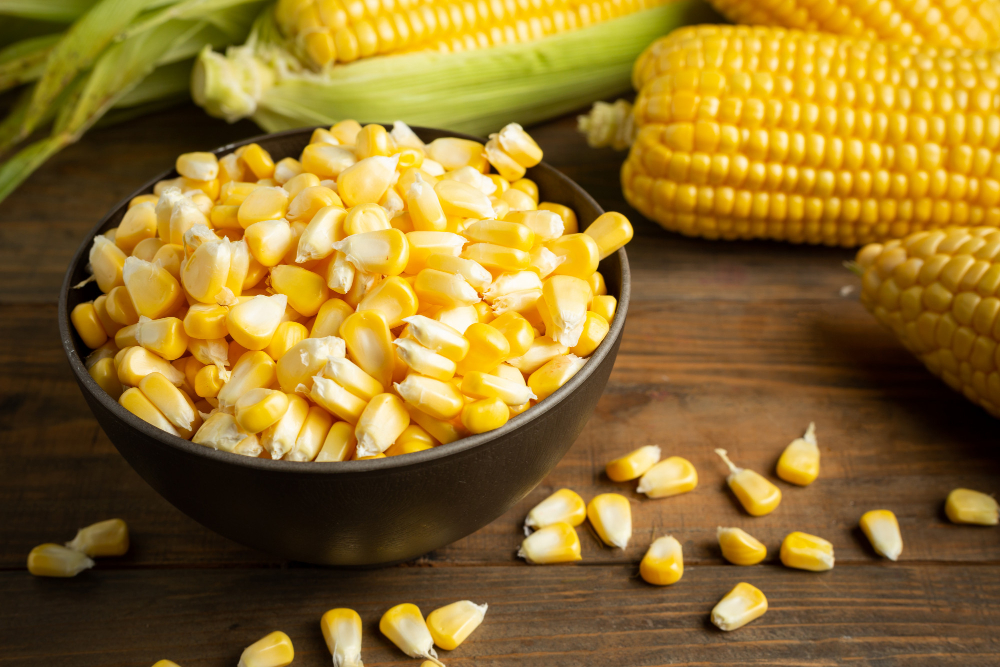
550	616
691	377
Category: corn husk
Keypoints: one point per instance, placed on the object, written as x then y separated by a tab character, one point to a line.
471	91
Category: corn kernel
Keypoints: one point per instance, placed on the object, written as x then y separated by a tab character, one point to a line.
54	560
440	400
407	447
565	506
259	408
634	464
337	400
663	563
120	307
342	631
339	445
487	348
253	370
444	289
384	251
279	438
454	153
208	382
220	431
611	516
423	361
580	255
153	291
452	624
604	305
165	337
138	225
967	506
438	336
106	376
611	231
595	329
369	343
381	422
107	262
474	273
306	291
173	403
670	477
324	229
497	258
326	161
549	378
105	538
372	140
882	530
477	384
137	362
543	350
269	241
404	626
799	463
741	605
206	321
274	650
88	325
739	547
329	318
554	543
252	322
757	495
807	552
567	214
485	415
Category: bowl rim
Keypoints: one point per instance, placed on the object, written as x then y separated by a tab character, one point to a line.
460	446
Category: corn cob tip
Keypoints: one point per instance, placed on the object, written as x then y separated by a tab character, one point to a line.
608	125
229	85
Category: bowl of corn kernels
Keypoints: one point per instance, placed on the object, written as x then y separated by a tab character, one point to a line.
349	345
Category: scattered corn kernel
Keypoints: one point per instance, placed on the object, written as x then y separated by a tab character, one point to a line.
757	495
807	552
105	538
663	563
54	560
634	464
342	631
611	516
882	530
967	506
739	547
799	463
404	626
273	650
670	477
554	543
741	605
452	624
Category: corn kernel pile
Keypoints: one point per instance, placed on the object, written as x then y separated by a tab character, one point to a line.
377	296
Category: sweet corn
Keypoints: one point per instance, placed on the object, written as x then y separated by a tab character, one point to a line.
611	231
663	563
385	251
423	361
107	262
485	415
336	399
799	463
342	631
806	552
104	538
543	350
394	298
408	447
578	255
120	307
220	431
741	605
369	343
611	516
739	547
440	400
279	438
165	337
474	273
306	291
329	318
967	506
487	348
339	445
54	560
153	291
253	370
554	543
137	362
106	376
137	403
206	321
259	408
563	506
565	311
595	329
286	336
381	422
757	495
302	361
88	325
165	663
273	650
404	626
269	241
882	530
208	382
554	374
477	384
452	624
173	403
252	322
516	329
444	289
604	305
325	228
497	258
634	464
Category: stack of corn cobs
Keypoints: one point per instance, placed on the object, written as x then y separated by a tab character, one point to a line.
376	296
886	135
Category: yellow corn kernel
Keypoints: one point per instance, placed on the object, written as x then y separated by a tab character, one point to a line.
452	624
546	225
342	631
296	184
497	258
138	362
415	433
485	415
741	605
326	161
807	552
119	306
385	251
136	402
611	516
519	145
324	229
565	308
225	217
454	153
262	204
312	435
380	455
506	165
757	495
443	247
611	231
306	291
597	284
287	169
269	241
381	422
502	233
663	563
252	322
166	337
739	547
259	408
253	370
233	193
220	431
165	663
339	445
309	201
372	140
88	325
516	329
440	400
518	200
508	284
595	329
138	225
438	337
55	560
335	399
477	384
799	463
882	530
208	382
404	626
424	206
258	161
554	543
279	438
349	376
967	506
441	430
444	289
563	506
143	199
487	349
407	447
170	257
274	650
367	217
369	343
104	538
527	186
567	214
210	352
106	376
604	305
554	374
423	361
175	405
366	181
198	166
474	273
153	291
346	132
634	464
543	350
329	318
307	358
462	200
206	321
670	477
106	263
394	298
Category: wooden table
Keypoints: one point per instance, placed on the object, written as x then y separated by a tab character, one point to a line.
735	345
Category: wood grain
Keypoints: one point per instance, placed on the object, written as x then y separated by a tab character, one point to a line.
735	345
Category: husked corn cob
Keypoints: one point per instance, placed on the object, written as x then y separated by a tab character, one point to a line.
368	298
745	132
936	291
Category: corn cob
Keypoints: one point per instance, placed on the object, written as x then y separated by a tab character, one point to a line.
937	291
496	61
768	133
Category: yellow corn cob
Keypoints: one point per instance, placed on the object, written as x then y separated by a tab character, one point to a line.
936	291
814	138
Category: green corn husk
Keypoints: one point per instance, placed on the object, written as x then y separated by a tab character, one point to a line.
473	91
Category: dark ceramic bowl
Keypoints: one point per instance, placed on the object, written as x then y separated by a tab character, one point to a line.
357	512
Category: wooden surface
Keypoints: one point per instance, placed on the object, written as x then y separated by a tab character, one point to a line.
727	345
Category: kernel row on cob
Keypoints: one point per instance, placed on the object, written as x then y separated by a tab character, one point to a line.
324	308
744	132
